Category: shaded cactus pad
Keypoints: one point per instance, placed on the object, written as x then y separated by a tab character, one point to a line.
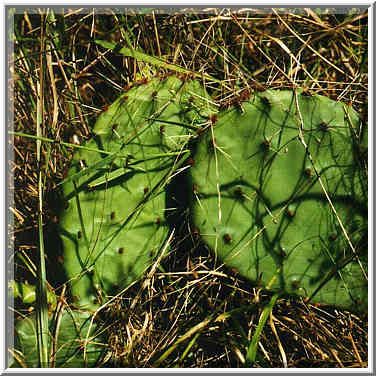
113	224
257	200
70	336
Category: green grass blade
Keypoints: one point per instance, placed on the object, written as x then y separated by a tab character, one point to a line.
153	60
41	291
68	144
190	344
194	330
112	175
42	305
252	349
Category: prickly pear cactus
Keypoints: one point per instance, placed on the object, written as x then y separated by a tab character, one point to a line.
258	203
67	348
27	293
114	224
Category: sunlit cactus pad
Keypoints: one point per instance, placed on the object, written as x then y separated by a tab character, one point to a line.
66	342
257	200
155	116
113	224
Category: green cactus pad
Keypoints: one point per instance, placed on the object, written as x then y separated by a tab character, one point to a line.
257	201
27	293
113	224
157	116
70	337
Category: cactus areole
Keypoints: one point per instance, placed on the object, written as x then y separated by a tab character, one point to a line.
260	187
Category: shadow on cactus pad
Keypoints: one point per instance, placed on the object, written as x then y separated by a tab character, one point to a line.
113	224
67	342
277	194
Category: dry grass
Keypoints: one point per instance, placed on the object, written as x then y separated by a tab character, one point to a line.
212	310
